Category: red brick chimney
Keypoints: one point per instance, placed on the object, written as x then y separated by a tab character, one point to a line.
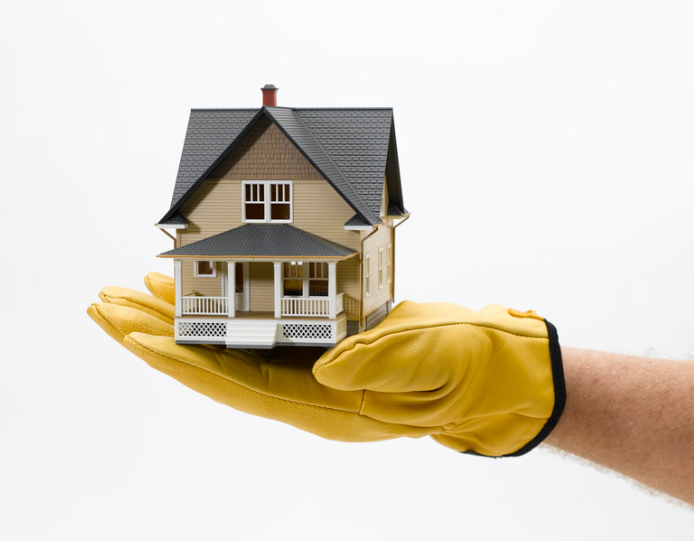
269	95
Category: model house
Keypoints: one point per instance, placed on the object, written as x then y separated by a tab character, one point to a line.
284	224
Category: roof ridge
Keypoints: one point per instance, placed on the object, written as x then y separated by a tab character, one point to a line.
293	108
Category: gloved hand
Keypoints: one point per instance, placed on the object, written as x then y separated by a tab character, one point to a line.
487	382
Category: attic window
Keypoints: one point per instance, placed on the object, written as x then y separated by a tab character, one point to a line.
267	201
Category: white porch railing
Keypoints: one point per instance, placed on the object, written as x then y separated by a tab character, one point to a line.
310	306
209	306
291	306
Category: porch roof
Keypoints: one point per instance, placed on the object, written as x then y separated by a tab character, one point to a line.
282	241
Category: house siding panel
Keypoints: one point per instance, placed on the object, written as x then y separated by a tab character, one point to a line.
348	283
211	287
262	287
320	210
381	295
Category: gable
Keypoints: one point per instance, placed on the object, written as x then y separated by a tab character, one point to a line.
352	149
265	153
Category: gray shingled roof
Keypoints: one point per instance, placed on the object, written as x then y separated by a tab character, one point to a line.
355	221
209	133
349	147
263	240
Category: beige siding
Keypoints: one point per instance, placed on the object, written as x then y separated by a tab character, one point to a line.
379	295
214	208
348	283
262	288
267	154
320	210
210	287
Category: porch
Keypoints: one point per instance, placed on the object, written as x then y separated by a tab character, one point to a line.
298	289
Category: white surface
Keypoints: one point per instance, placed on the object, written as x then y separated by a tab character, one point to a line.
551	143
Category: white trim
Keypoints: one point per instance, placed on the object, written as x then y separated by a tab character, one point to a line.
178	293
332	290
279	287
389	264
170	226
380	268
359	227
199	275
267	203
231	288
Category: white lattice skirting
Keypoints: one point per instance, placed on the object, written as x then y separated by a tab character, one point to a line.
202	329
229	331
309	332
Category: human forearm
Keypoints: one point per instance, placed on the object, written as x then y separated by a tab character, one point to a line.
633	415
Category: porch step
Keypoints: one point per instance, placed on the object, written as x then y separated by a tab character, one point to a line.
251	334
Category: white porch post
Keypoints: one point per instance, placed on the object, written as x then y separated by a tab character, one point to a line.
278	289
332	289
178	287
231	288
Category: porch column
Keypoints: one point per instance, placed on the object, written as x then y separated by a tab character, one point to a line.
278	289
178	287
332	289
231	288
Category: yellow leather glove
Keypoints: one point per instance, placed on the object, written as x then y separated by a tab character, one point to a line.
487	382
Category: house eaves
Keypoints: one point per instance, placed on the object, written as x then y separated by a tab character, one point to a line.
280	241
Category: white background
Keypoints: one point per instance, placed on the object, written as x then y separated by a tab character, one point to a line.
546	157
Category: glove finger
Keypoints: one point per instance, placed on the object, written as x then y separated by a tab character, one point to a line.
161	286
140	301
281	392
118	321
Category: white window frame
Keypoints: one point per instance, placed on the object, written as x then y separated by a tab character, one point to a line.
380	268
198	274
389	263
367	275
305	274
266	200
293	274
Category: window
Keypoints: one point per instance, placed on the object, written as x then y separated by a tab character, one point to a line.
294	279
267	201
301	277
318	279
389	263
367	275
380	268
206	269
